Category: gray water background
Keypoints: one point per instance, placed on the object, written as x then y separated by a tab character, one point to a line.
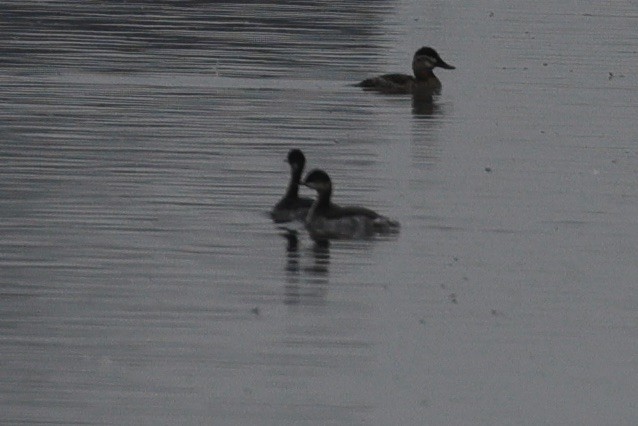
141	281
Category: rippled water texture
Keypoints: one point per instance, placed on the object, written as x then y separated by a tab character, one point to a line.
142	281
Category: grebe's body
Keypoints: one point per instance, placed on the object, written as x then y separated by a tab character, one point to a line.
326	220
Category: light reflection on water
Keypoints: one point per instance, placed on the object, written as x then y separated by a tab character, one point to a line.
142	282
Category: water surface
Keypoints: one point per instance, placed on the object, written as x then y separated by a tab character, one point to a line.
142	281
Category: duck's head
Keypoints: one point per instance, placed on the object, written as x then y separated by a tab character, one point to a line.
427	58
296	159
318	180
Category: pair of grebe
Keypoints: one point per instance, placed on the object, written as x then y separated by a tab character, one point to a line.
324	219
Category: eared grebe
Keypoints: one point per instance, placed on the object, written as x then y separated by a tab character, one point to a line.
326	220
291	206
424	61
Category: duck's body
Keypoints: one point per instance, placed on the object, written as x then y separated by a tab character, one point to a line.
401	83
292	206
326	220
424	61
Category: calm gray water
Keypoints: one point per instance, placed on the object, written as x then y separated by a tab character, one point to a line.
142	282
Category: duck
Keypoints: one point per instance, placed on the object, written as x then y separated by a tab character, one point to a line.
424	61
326	220
291	206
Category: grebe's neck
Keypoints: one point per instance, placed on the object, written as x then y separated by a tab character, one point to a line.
321	204
293	185
323	198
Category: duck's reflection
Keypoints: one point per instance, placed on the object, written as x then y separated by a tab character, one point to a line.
424	103
427	114
305	284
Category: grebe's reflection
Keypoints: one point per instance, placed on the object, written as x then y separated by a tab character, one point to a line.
292	251
305	285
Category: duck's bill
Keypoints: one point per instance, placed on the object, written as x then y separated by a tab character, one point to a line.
445	65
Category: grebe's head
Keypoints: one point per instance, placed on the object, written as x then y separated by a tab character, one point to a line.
318	180
296	159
